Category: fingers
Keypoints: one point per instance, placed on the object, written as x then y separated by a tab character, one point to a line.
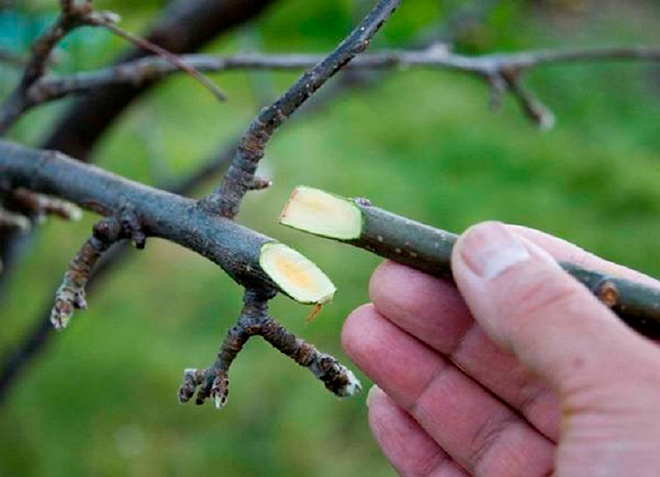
527	304
479	432
410	450
433	311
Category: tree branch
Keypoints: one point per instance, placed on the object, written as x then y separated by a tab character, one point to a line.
39	205
226	198
503	72
184	27
358	223
254	320
109	21
71	293
251	259
13	220
70	18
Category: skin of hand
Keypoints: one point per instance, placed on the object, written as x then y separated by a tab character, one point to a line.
516	371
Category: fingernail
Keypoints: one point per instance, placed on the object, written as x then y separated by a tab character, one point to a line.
371	395
489	250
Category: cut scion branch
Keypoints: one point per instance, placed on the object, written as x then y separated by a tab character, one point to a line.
226	198
254	320
357	222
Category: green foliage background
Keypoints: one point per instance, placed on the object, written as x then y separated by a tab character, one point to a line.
101	400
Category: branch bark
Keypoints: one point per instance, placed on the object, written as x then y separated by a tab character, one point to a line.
239	251
502	71
226	198
358	223
255	320
185	26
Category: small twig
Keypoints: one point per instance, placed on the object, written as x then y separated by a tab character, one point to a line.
226	198
254	320
358	223
534	109
109	21
14	220
41	205
71	293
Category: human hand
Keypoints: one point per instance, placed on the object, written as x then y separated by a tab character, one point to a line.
520	371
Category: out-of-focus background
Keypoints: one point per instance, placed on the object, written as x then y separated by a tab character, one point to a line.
101	399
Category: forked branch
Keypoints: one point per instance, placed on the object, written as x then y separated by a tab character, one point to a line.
358	223
255	320
71	17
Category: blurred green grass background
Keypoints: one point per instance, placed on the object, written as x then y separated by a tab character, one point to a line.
101	400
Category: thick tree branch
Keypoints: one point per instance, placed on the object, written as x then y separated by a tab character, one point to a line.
251	259
425	248
225	199
254	320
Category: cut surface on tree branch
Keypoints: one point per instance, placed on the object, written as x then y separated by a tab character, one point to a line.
297	276
429	250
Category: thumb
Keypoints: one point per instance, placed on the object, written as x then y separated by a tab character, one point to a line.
547	319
